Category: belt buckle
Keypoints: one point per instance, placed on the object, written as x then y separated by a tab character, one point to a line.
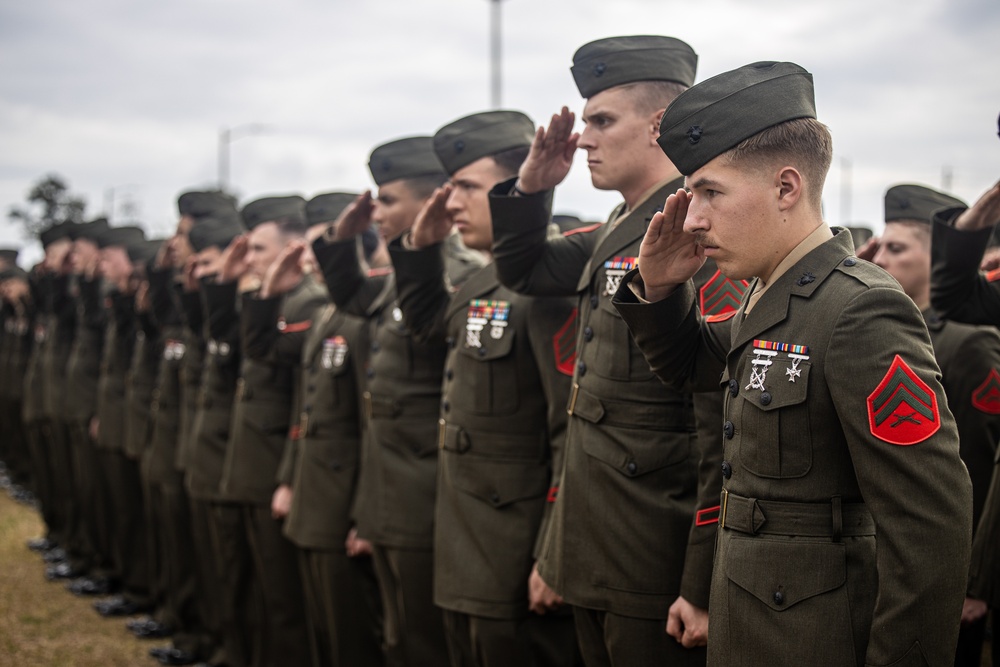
572	398
722	510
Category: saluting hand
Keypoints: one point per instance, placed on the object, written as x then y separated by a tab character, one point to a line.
189	280
285	271
669	256
687	623
984	213
354	219
234	260
551	154
142	300
433	223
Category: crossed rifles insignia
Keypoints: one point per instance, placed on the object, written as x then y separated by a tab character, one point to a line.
903	410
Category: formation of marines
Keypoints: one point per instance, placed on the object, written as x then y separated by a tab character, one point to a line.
433	427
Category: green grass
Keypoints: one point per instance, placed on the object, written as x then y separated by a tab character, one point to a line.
41	623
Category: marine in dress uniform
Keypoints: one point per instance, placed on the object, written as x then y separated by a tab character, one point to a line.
83	374
402	400
262	416
845	513
339	588
214	318
18	332
633	529
125	507
503	420
961	293
969	358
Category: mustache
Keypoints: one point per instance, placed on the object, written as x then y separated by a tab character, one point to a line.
701	238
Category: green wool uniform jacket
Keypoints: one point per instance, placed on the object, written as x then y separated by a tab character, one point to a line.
59	344
501	430
327	431
33	387
141	385
632	528
83	369
119	342
846	510
166	404
263	407
191	351
401	397
17	339
960	292
211	426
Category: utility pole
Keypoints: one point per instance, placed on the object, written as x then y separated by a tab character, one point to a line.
496	77
227	136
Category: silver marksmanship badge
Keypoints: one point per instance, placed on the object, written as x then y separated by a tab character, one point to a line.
483	312
764	353
614	270
334	352
174	350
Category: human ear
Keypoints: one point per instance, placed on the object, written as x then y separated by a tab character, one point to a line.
654	127
790	187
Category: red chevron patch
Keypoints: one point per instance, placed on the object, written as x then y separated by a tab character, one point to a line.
986	397
721	295
564	345
903	410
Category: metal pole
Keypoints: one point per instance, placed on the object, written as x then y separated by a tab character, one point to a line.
223	158
496	87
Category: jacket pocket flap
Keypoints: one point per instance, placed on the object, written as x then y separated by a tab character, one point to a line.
500	483
781	574
641	456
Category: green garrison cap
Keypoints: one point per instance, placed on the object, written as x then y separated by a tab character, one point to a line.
144	251
708	119
615	61
404	158
123	236
12	272
462	142
220	232
198	204
859	234
9	255
62	230
916	202
327	206
268	209
90	230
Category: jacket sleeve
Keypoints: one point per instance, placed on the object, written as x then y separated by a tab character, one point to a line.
275	329
553	344
685	351
423	293
222	320
527	260
919	495
163	302
959	291
350	287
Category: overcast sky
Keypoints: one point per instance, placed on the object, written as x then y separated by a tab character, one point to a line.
130	96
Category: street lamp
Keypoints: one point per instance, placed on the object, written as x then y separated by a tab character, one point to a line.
228	135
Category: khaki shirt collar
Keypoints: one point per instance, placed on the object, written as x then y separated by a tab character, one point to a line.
815	239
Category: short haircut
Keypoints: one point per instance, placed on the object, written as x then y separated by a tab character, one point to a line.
423	187
291	226
652	96
922	229
510	160
804	143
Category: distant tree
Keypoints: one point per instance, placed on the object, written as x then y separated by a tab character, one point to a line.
49	203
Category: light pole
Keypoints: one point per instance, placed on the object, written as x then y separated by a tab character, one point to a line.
496	75
227	136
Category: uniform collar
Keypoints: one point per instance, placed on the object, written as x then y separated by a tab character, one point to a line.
815	239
